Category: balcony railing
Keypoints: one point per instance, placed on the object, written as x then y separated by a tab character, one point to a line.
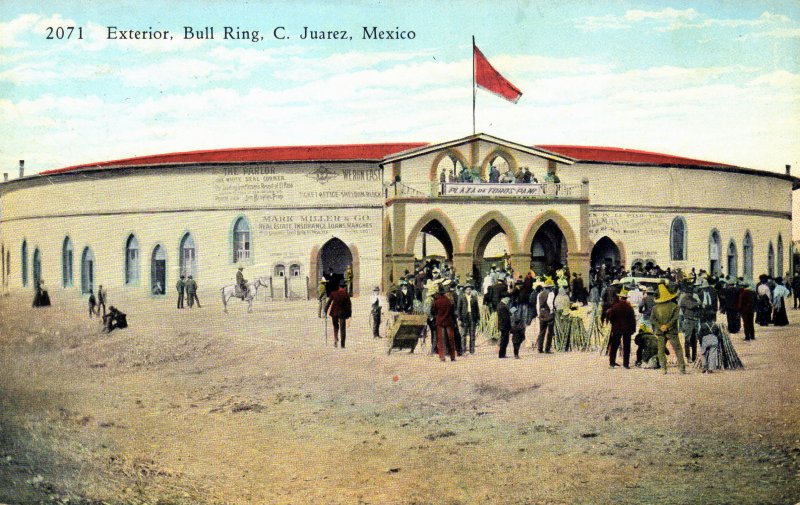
546	191
512	190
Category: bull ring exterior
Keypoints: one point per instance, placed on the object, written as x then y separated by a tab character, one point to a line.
291	213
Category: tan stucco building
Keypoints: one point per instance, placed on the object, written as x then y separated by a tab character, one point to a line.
290	213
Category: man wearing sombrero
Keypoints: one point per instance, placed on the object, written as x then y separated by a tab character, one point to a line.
665	326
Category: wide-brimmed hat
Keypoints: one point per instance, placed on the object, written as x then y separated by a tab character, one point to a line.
664	294
623	293
376	289
548	282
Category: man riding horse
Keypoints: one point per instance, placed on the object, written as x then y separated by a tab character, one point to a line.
241	282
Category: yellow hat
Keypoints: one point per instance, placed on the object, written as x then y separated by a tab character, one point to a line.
664	295
548	282
623	293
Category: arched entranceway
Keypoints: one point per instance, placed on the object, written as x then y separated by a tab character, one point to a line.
332	261
491	247
548	249
87	271
606	252
433	244
158	271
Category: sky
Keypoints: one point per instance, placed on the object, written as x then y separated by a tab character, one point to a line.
714	80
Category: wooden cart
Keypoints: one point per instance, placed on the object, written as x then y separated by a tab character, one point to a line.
405	331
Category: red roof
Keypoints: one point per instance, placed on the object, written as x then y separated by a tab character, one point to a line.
256	154
619	155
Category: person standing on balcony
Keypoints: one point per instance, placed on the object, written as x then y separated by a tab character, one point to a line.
494	174
465	175
527	176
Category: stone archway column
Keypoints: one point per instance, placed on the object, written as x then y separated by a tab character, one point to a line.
401	263
579	263
462	263
520	263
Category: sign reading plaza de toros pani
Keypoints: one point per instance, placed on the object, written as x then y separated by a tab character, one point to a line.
510	189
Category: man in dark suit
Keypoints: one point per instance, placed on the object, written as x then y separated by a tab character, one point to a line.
469	314
442	311
340	310
623	325
729	296
504	323
746	306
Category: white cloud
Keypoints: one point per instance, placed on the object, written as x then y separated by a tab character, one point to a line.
665	14
670	19
730	114
11	31
182	72
779	79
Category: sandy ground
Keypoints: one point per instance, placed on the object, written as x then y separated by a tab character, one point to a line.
205	407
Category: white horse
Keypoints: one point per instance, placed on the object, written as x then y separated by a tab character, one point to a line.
230	291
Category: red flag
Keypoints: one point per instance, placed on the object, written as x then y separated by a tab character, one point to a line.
490	79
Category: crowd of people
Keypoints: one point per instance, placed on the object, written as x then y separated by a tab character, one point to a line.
523	175
647	305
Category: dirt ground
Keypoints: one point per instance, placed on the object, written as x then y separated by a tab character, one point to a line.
198	406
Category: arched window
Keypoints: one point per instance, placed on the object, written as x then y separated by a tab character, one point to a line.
780	257
67	278
87	271
188	256
24	260
770	260
132	261
714	253
747	253
158	271
241	240
733	263
37	267
294	270
280	270
677	239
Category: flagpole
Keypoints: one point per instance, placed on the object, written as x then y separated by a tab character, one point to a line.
473	84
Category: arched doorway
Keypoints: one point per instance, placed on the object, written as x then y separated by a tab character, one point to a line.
332	262
433	244
37	267
491	248
549	249
714	252
606	252
87	271
158	271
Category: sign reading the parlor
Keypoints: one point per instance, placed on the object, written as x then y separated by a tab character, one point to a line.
297	186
